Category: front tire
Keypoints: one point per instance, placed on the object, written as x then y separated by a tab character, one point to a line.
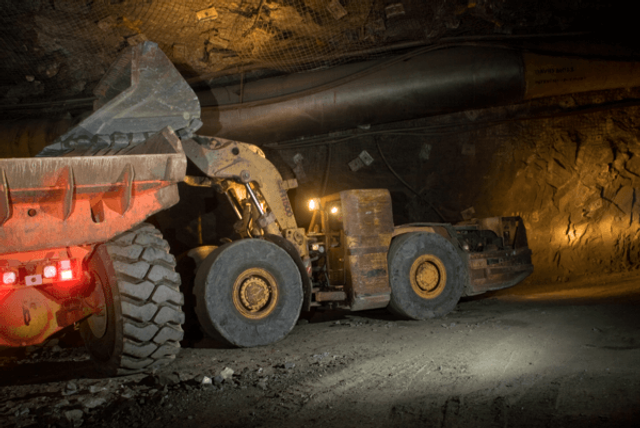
141	326
426	274
248	293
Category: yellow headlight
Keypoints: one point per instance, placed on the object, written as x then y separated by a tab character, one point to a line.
314	204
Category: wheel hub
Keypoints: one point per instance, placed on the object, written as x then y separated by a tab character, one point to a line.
428	276
255	293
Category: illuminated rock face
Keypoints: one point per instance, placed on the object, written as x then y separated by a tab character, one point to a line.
575	182
576	185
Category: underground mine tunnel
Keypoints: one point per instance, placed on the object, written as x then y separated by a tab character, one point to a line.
312	212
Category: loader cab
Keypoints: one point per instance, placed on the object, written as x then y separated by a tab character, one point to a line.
350	233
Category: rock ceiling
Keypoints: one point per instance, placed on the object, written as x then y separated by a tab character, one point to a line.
58	49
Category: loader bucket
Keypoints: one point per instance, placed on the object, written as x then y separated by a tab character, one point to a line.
141	93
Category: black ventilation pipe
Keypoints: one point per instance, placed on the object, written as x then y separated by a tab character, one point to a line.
419	84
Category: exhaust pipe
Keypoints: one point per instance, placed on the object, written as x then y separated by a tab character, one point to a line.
422	83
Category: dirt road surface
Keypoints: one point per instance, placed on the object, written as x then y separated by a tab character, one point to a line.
545	355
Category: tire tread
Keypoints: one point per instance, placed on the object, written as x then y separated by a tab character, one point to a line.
404	302
151	301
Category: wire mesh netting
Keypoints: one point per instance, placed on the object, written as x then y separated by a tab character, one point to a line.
59	49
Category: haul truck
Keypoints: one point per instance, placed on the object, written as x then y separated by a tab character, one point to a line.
73	246
75	249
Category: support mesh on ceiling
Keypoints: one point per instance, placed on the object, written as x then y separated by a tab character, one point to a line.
62	47
58	49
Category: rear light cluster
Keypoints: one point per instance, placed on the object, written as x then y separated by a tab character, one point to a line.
43	272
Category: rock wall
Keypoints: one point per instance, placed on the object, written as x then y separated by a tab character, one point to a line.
575	182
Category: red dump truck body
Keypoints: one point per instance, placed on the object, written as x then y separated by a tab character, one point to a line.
106	175
54	210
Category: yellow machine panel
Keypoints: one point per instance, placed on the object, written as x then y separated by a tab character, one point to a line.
366	220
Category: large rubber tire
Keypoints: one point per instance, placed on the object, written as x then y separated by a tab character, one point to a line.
232	268
446	275
143	326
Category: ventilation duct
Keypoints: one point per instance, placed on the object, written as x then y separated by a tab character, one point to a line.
419	84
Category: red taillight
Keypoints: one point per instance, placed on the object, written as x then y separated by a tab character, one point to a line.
66	272
42	272
9	277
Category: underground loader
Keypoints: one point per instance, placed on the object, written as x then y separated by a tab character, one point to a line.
250	292
74	248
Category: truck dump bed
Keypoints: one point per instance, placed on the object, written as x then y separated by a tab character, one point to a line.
115	168
48	202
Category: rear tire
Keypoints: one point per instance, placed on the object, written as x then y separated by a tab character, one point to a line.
141	327
248	293
426	274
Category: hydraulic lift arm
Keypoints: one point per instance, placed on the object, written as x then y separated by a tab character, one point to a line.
253	185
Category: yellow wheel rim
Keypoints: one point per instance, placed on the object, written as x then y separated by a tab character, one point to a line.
428	276
255	293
